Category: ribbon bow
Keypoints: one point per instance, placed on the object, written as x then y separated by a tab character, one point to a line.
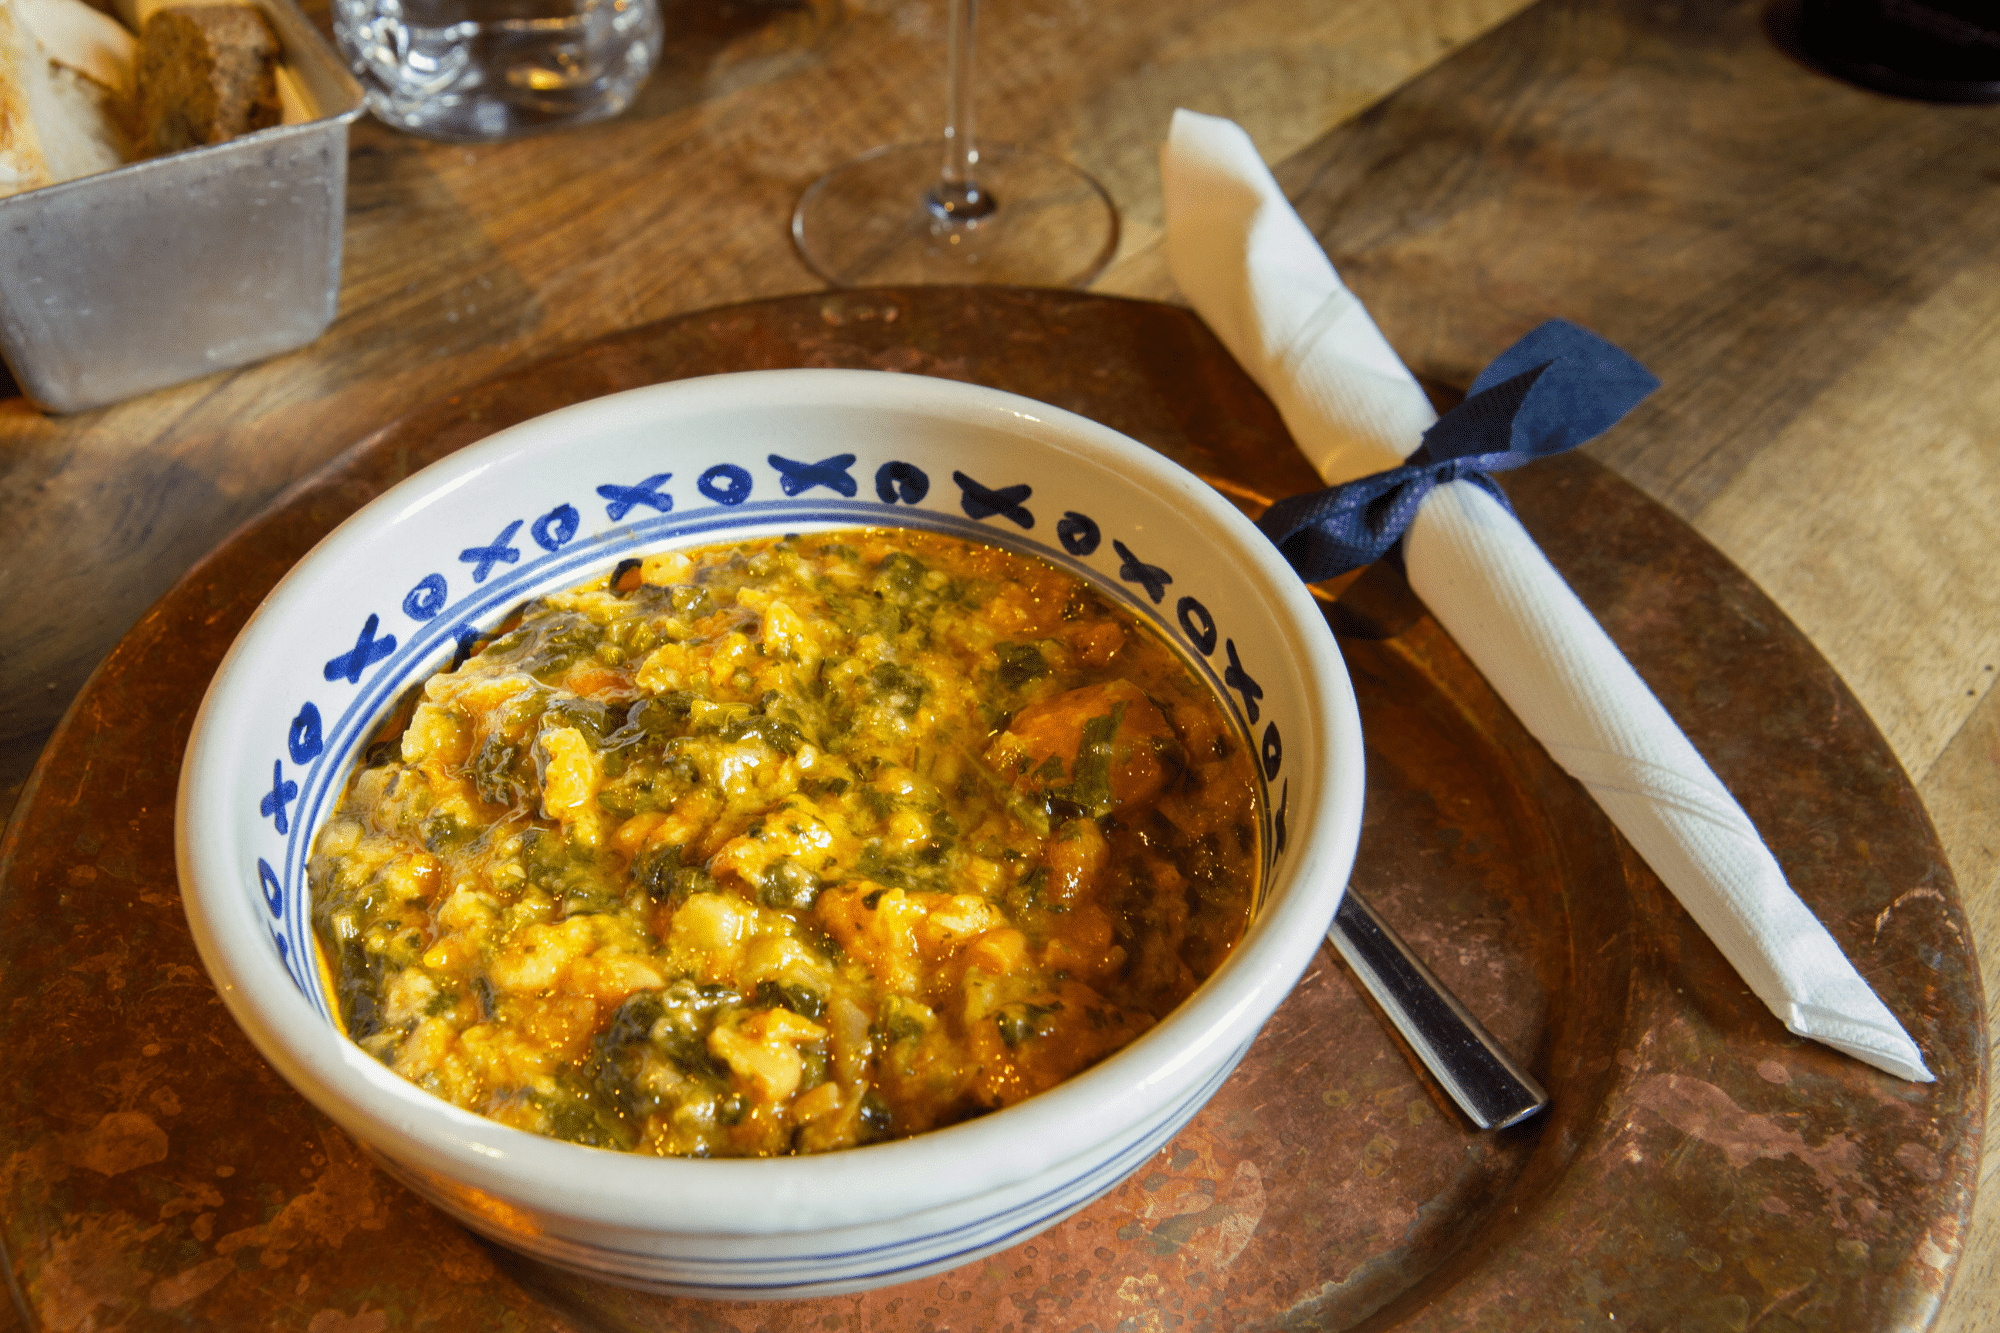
1556	388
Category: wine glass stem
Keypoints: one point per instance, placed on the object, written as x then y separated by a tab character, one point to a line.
958	195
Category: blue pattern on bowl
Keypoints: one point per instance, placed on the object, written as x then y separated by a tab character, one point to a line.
391	663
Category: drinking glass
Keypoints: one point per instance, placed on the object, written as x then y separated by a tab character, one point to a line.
953	210
476	70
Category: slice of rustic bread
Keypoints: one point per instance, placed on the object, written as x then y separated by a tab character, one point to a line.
55	124
206	73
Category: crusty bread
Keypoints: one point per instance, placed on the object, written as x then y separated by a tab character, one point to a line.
84	38
55	124
206	73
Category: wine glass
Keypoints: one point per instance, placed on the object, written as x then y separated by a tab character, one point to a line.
951	210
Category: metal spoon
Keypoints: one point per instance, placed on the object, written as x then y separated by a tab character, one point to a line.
1474	1068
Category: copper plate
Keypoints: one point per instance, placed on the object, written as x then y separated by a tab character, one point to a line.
1700	1169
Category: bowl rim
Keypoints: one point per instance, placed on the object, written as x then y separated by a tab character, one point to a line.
857	1187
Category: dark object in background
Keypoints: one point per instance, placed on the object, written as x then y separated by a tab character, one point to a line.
1931	50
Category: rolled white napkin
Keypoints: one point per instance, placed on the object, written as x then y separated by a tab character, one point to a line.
1258	277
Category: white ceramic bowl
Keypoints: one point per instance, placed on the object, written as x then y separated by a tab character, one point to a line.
379	604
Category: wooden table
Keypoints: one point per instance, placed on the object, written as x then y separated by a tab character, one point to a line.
1807	266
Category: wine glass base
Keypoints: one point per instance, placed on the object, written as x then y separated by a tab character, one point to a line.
877	221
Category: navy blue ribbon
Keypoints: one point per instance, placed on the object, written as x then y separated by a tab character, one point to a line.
1556	388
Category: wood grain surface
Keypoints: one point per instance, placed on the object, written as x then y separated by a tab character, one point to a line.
460	260
1809	268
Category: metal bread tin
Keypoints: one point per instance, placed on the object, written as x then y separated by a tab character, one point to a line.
172	268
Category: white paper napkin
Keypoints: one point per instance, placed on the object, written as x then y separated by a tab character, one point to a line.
1254	272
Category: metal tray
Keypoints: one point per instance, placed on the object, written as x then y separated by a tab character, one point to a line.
164	270
1700	1168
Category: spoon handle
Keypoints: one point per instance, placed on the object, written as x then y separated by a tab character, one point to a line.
1473	1067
